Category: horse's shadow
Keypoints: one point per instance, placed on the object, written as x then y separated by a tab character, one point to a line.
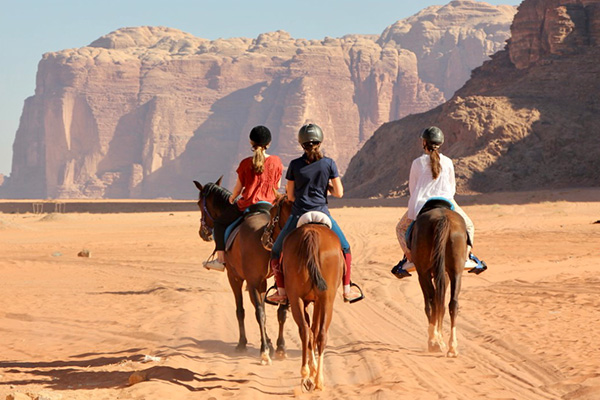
226	349
76	374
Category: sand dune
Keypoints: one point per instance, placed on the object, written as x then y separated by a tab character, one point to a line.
79	328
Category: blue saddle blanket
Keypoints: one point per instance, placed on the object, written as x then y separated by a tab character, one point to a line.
233	229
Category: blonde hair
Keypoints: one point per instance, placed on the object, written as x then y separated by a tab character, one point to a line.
258	159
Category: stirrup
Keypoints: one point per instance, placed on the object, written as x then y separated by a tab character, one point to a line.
362	295
273	303
481	265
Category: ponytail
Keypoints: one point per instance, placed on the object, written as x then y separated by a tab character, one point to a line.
313	151
434	156
258	160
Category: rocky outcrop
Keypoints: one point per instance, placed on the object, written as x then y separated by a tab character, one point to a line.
141	112
527	119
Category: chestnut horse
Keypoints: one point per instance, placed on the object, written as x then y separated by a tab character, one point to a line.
246	260
312	265
439	251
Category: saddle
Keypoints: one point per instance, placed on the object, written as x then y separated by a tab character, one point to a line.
434	202
314	217
233	229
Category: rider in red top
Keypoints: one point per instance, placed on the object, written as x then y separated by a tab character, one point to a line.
259	177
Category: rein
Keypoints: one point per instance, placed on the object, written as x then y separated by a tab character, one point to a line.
267	236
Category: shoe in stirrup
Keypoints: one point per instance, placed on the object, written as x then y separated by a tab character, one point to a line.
479	267
354	294
275	298
398	271
214	264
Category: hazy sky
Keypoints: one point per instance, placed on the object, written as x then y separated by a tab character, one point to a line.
30	28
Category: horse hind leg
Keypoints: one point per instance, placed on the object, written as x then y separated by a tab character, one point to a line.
266	348
453	308
236	287
282	310
433	343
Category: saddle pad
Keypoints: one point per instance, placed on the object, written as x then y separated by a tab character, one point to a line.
314	217
230	237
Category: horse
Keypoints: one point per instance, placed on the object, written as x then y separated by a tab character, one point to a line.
439	251
245	260
313	265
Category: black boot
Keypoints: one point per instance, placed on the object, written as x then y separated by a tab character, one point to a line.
398	270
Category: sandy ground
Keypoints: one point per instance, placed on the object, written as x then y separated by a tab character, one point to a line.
78	328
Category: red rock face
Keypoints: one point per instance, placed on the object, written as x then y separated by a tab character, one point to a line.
141	112
528	119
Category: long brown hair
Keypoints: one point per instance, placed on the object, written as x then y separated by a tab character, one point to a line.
313	151
258	159
434	156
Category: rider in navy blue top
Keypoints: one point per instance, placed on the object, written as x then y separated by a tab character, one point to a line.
310	177
310	183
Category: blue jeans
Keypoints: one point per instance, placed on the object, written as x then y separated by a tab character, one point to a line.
290	225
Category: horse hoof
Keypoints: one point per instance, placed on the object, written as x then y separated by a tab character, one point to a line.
240	348
435	348
280	354
452	354
265	359
308	385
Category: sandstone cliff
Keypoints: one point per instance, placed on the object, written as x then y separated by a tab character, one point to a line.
527	119
141	112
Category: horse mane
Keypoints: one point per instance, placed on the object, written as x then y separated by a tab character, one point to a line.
221	195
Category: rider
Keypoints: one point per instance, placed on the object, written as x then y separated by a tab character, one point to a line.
431	175
258	178
309	178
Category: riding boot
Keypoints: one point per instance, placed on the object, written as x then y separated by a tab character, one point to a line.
350	293
280	296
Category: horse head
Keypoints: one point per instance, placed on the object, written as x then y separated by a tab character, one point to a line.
280	212
209	196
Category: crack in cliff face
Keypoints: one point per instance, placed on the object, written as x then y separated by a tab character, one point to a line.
165	107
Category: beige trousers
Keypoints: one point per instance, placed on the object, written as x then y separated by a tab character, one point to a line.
404	223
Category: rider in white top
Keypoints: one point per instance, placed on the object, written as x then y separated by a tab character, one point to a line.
423	186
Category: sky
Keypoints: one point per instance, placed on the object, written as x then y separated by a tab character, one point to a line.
30	28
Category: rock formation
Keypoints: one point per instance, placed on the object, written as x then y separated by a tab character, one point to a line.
141	112
527	119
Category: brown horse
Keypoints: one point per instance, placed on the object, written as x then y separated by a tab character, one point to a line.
313	265
245	260
439	251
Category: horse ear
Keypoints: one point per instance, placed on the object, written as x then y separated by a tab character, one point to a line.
218	182
198	185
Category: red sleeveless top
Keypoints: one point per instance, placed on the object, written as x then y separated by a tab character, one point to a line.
258	187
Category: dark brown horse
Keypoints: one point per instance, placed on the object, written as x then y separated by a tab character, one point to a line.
439	251
246	260
313	265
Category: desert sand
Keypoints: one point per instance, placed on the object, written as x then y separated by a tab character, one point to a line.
142	308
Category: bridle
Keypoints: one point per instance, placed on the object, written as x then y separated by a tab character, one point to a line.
267	236
205	230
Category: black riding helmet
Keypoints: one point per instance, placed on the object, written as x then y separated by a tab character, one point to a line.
433	135
260	135
310	133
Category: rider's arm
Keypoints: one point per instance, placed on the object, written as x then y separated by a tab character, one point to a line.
236	191
289	189
336	188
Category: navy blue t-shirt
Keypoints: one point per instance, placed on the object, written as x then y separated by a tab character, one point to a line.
310	183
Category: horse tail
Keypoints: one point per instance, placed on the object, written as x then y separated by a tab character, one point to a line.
440	239
309	256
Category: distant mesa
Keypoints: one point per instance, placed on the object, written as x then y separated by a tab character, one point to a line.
143	111
528	119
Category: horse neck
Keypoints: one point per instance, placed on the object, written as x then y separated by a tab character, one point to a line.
216	205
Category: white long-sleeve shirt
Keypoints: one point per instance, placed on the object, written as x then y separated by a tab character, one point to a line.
422	186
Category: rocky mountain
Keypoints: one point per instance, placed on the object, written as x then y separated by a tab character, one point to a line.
527	119
141	112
